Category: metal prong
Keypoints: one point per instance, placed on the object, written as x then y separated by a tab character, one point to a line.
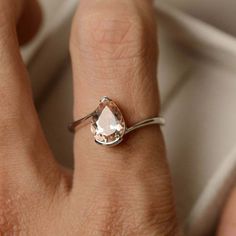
105	98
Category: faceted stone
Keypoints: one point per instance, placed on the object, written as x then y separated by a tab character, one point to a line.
108	125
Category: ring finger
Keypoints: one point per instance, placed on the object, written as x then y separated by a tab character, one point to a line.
114	53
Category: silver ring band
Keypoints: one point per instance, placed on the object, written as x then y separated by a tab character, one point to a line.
108	125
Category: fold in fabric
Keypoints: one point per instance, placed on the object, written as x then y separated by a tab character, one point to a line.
197	35
205	214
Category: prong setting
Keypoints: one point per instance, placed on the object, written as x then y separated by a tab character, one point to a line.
108	125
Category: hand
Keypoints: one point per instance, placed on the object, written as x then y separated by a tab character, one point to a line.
125	190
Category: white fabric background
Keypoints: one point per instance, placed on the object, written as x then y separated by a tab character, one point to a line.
198	90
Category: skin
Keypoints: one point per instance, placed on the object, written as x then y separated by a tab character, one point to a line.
125	190
227	225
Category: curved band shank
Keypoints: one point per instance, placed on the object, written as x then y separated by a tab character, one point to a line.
147	122
72	126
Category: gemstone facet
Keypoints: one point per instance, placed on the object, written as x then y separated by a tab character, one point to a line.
108	125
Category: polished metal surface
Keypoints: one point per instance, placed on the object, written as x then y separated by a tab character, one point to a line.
147	122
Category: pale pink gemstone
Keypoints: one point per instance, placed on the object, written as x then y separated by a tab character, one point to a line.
108	126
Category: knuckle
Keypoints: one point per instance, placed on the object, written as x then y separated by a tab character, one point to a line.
107	218
112	39
111	35
113	45
121	217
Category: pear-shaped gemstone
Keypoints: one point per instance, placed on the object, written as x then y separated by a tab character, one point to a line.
108	125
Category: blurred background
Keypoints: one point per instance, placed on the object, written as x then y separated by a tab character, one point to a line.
196	74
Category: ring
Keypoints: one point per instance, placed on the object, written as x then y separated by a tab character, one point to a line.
108	125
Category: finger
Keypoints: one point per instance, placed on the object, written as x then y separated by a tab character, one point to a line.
29	22
227	225
24	151
114	53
